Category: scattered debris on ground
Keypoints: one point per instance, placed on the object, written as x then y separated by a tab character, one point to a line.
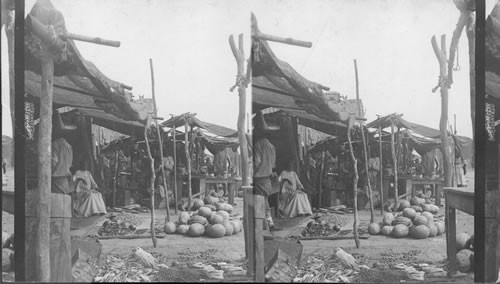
324	224
119	224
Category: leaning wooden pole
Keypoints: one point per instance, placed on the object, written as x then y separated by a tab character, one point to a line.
175	168
160	141
394	165
443	86
320	185
42	238
152	181
381	174
188	160
365	151
355	182
115	177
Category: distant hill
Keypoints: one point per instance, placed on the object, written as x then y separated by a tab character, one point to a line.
7	149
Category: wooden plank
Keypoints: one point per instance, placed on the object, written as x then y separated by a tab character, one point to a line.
382	193
115	177
451	234
394	163
188	159
152	181
259	217
175	168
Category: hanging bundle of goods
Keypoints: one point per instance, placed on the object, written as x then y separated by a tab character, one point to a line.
213	220
415	219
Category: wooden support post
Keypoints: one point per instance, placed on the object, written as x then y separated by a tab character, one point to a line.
260	218
381	174
115	176
175	168
321	174
152	182
394	164
443	86
160	142
249	226
42	239
188	160
365	151
355	182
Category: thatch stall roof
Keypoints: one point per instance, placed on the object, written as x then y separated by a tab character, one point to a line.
77	81
193	122
386	121
276	84
492	52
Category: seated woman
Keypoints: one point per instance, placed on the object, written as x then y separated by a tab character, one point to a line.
88	201
293	200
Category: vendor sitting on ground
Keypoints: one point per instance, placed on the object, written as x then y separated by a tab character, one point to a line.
87	200
293	201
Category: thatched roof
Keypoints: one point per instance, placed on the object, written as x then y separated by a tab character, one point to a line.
78	82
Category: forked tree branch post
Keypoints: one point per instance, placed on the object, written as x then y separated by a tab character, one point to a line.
188	160
152	181
160	141
394	165
355	182
443	86
365	151
381	176
175	167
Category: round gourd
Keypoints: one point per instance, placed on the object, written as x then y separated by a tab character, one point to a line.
417	201
197	203
434	209
211	207
215	231
237	226
198	219
427	207
195	230
224	215
182	229
463	241
409	213
216	219
387	230
441	228
229	228
402	220
465	258
170	227
194	213
184	217
416	208
433	230
404	204
400	231
420	220
429	216
420	232
228	208
205	212
388	218
374	229
218	205
208	200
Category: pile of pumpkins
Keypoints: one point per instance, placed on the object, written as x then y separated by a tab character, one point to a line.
412	220
211	220
465	252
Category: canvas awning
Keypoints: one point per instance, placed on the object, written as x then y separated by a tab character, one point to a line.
385	122
180	120
217	144
77	82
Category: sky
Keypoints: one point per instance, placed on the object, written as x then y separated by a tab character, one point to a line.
194	66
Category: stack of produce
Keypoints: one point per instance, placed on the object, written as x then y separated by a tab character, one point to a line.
119	225
413	220
323	226
465	252
211	220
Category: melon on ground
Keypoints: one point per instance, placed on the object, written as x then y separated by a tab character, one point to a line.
441	228
429	216
388	218
215	231
386	230
427	207
170	227
216	219
420	232
404	204
229	228
184	217
416	208
465	259
434	209
374	229
402	220
205	212
433	230
224	214
196	230
400	231
237	226
463	241
197	203
420	220
409	213
198	219
182	229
